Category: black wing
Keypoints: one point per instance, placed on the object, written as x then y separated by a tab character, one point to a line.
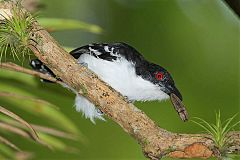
95	49
110	52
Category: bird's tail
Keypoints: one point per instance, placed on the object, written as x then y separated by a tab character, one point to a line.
38	66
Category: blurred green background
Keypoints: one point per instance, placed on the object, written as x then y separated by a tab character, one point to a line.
197	41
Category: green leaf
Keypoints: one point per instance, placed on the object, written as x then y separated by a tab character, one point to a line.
45	111
227	126
6	151
9	128
21	121
210	128
68	49
24	100
9	143
33	105
53	142
9	125
57	24
56	143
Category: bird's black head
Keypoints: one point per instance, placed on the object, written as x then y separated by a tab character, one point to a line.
163	79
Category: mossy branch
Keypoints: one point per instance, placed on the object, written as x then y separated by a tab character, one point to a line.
155	141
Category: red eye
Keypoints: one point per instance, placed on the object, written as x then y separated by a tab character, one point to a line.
159	76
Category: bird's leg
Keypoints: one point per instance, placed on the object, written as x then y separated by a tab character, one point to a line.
99	111
128	100
83	64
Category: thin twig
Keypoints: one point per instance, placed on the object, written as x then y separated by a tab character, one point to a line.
8	143
18	96
54	132
31	132
11	128
20	120
14	67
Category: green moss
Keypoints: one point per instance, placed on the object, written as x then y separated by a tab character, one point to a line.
145	142
84	90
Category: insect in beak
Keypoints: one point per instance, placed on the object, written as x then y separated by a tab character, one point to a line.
179	107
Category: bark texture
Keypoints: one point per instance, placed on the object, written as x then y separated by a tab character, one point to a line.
155	141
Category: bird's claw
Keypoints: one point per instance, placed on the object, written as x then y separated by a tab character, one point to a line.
128	100
99	111
83	64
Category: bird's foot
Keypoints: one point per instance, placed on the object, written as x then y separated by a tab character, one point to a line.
83	64
128	100
99	111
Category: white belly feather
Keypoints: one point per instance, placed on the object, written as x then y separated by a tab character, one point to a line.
120	75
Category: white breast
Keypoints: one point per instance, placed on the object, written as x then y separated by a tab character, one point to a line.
121	75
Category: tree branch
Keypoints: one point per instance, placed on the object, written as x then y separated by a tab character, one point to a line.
155	141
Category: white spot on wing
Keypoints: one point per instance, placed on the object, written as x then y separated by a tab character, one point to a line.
33	63
106	48
96	52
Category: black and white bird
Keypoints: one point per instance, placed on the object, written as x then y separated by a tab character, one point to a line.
125	69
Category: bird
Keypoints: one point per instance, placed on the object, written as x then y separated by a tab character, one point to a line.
123	68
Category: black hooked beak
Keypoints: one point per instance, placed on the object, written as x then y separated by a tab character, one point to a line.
176	99
171	89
